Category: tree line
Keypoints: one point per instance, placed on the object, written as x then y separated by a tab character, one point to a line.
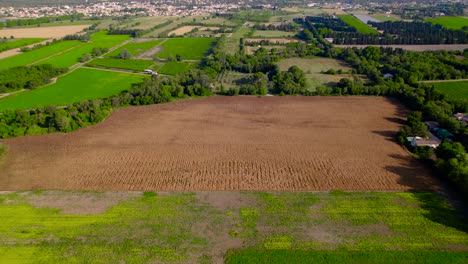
28	77
40	20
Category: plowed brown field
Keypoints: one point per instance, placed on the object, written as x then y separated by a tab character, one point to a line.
225	143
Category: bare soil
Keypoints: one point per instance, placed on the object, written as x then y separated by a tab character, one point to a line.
42	32
225	143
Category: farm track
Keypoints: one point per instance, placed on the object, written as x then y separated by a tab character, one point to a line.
225	143
56	54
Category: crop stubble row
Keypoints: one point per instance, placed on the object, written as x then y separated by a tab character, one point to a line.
225	143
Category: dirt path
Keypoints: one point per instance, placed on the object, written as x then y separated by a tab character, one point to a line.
13	52
8	94
56	54
151	52
226	143
114	70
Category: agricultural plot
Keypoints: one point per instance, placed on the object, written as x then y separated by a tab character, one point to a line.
209	227
385	17
243	143
42	32
98	40
259	15
454	90
135	48
18	43
272	34
81	84
313	68
450	22
232	40
176	67
356	23
230	79
187	48
128	64
33	56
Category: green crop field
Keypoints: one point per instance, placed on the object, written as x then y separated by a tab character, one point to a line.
175	67
232	41
450	22
18	43
135	48
188	48
98	40
384	17
80	85
36	55
453	90
272	34
128	64
259	15
356	23
298	227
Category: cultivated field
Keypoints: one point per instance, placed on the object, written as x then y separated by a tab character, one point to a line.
98	40
39	32
135	227
188	48
313	68
36	55
136	48
82	84
413	47
358	24
128	64
274	40
18	43
176	67
450	22
272	34
186	29
334	11
223	143
454	90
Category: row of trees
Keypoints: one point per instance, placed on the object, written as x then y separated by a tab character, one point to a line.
152	91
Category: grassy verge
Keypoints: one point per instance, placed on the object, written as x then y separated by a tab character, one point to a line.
80	85
356	23
128	64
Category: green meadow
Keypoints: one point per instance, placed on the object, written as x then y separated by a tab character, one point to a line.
238	227
135	48
450	22
33	56
98	40
453	90
187	48
175	67
18	43
128	64
79	85
356	23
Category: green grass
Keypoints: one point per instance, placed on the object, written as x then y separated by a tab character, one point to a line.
356	23
98	40
334	227
175	67
259	15
232	42
272	34
135	48
188	48
453	90
36	55
18	43
384	17
356	257
129	64
450	22
80	85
